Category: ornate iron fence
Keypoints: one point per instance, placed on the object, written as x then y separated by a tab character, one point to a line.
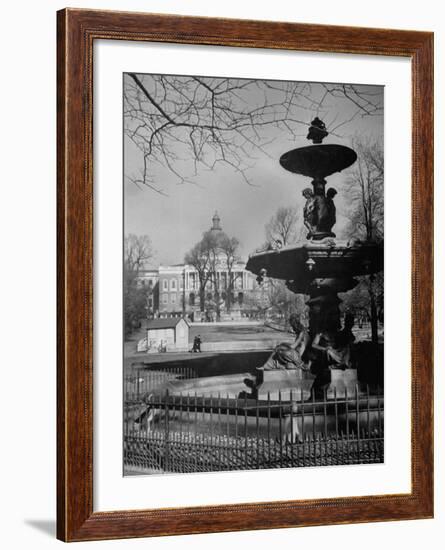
143	381
191	433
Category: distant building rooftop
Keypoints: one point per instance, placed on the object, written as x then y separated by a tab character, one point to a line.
170	322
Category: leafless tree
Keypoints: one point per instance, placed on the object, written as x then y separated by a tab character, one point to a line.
229	249
216	252
137	250
364	190
283	228
275	300
198	257
211	247
188	122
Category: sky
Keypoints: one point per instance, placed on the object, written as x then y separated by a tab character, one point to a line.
175	220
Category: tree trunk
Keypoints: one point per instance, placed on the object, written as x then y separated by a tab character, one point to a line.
217	305
229	291
202	299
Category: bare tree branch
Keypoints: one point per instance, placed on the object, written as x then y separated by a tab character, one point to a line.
183	122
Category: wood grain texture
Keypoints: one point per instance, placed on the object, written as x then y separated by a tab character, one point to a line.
77	30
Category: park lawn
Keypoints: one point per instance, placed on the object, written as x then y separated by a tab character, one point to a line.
230	333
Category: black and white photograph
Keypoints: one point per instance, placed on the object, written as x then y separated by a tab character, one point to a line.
253	274
221	239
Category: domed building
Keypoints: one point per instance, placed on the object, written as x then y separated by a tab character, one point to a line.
176	288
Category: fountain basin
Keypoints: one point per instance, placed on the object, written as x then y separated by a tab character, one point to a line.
338	261
318	161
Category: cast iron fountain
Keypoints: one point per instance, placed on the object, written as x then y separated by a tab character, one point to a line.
323	266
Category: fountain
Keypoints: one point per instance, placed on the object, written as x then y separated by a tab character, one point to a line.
323	266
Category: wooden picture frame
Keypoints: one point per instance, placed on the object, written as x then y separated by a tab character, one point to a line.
77	31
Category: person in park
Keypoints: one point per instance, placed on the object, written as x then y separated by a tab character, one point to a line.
197	344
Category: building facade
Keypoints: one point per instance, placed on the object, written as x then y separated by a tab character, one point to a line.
176	288
149	279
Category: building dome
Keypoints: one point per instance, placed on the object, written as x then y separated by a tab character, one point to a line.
216	222
217	236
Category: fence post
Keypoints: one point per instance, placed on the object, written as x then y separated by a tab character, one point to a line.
336	424
236	416
357	398
219	432
293	435
211	435
180	418
257	411
268	426
303	435
138	376
280	425
245	432
195	432
347	424
167	434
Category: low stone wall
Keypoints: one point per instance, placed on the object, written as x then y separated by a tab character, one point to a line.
244	345
227	323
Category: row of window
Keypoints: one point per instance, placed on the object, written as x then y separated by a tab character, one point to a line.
193	283
172	299
192	298
173	285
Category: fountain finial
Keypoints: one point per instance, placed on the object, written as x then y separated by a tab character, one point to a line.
317	131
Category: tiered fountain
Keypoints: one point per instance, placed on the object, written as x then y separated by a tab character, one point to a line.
323	266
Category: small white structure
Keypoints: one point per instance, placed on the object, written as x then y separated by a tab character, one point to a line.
170	334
